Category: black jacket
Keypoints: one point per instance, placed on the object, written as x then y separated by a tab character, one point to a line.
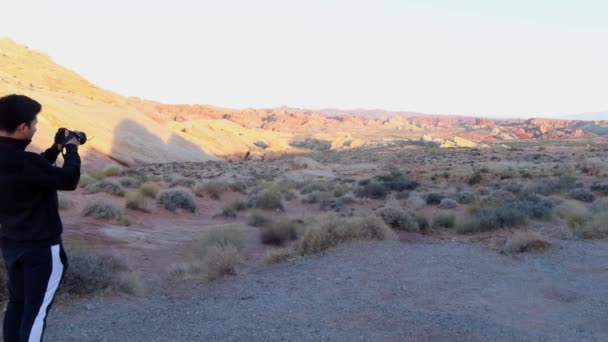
29	213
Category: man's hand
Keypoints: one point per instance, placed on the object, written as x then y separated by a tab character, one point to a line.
72	141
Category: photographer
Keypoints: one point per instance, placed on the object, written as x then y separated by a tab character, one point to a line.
30	226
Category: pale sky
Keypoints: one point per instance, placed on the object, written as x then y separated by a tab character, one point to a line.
473	57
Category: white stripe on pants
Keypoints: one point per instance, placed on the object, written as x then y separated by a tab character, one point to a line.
53	284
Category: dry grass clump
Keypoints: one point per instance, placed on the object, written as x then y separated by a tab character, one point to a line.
142	177
174	198
258	219
91	272
416	202
102	209
595	228
525	241
212	189
448	203
149	189
266	199
398	219
444	221
107	186
433	198
86	180
215	255
582	195
180	181
341	190
575	213
137	201
465	197
334	231
63	202
278	232
317	196
112	170
130	182
231	209
97	174
594	167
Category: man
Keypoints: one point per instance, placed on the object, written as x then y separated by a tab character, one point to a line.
30	226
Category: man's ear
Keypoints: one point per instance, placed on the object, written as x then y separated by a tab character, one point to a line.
22	127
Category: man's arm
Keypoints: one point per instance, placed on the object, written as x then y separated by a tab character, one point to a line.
51	154
38	171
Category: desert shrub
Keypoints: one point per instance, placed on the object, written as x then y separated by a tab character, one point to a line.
63	202
97	174
600	187
374	189
149	190
102	209
213	189
594	167
317	196
107	186
85	180
258	219
335	203
574	213
238	186
422	221
221	261
335	231
468	226
92	272
525	241
397	181
266	199
180	181
398	219
595	228
220	236
231	209
129	182
216	254
465	197
475	178
600	206
278	232
312	187
444	221
341	190
501	196
174	198
433	198
515	188
112	170
448	203
416	202
134	174
552	186
582	195
514	213
135	200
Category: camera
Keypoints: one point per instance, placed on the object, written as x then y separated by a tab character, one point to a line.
61	138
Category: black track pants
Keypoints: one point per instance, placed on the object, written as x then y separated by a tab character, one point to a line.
34	274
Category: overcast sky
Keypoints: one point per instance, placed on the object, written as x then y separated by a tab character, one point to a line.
475	57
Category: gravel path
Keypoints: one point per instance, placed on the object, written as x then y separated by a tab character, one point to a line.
373	291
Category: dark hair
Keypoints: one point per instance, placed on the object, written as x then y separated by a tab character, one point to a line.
17	109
